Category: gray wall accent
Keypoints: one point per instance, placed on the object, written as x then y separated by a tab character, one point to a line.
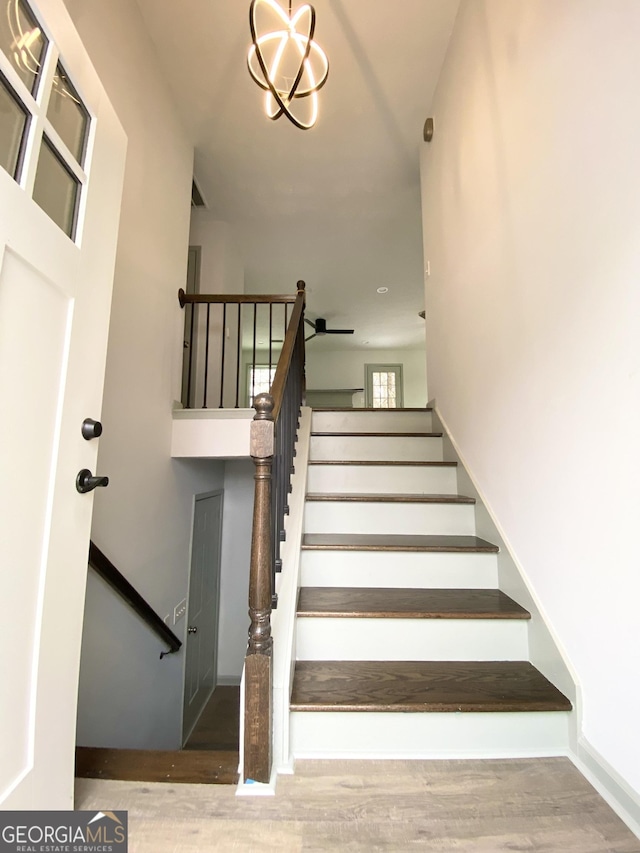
234	579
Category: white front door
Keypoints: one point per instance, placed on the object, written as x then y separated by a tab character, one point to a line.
62	150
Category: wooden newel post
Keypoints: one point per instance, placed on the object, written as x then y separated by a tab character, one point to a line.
258	667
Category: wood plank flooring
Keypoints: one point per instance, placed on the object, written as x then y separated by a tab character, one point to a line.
395	542
388	462
419	686
534	805
353	497
402	603
145	765
219	724
350	409
380	434
210	756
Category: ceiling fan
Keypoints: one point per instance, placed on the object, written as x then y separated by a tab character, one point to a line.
320	328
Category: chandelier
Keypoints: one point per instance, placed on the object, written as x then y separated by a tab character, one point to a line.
286	62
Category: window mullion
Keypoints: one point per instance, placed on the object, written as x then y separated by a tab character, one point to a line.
38	121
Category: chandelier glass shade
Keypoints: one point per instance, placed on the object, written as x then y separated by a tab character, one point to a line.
286	62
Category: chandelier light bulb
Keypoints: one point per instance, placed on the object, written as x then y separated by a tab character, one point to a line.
287	63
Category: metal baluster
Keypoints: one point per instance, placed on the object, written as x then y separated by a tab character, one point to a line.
224	336
191	348
270	338
238	346
253	356
206	361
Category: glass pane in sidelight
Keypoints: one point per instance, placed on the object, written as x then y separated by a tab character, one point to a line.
383	389
13	125
56	190
68	115
22	41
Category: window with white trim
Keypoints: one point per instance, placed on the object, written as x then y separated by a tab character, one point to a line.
45	125
383	386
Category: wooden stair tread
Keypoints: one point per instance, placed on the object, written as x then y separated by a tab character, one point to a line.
361	602
370	409
352	497
380	434
381	462
396	542
193	766
423	686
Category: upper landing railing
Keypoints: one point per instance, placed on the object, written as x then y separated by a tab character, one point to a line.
232	344
273	438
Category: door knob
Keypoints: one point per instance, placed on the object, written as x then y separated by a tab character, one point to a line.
86	482
192	630
91	429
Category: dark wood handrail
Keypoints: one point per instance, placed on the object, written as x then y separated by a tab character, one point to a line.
234	298
288	347
105	568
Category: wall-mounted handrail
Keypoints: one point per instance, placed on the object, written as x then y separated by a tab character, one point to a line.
105	568
273	437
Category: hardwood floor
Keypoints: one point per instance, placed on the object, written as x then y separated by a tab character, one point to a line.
397	602
419	686
205	767
352	497
396	542
383	462
219	724
380	434
210	756
533	805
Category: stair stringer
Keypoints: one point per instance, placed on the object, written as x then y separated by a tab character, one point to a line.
545	649
283	618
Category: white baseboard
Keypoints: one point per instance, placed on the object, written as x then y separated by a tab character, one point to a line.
258	789
608	783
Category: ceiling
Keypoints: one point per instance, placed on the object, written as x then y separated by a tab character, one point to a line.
337	205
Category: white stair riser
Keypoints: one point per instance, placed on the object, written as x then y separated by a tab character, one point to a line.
362	421
382	479
346	638
400	448
402	518
407	569
334	734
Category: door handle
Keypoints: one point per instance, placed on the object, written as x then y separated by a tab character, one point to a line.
192	630
86	482
91	429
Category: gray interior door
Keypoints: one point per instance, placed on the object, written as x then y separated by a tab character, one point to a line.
202	609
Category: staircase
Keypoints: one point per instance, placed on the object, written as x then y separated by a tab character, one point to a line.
405	646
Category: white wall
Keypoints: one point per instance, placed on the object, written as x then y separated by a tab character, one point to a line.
221	270
143	520
327	368
531	194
